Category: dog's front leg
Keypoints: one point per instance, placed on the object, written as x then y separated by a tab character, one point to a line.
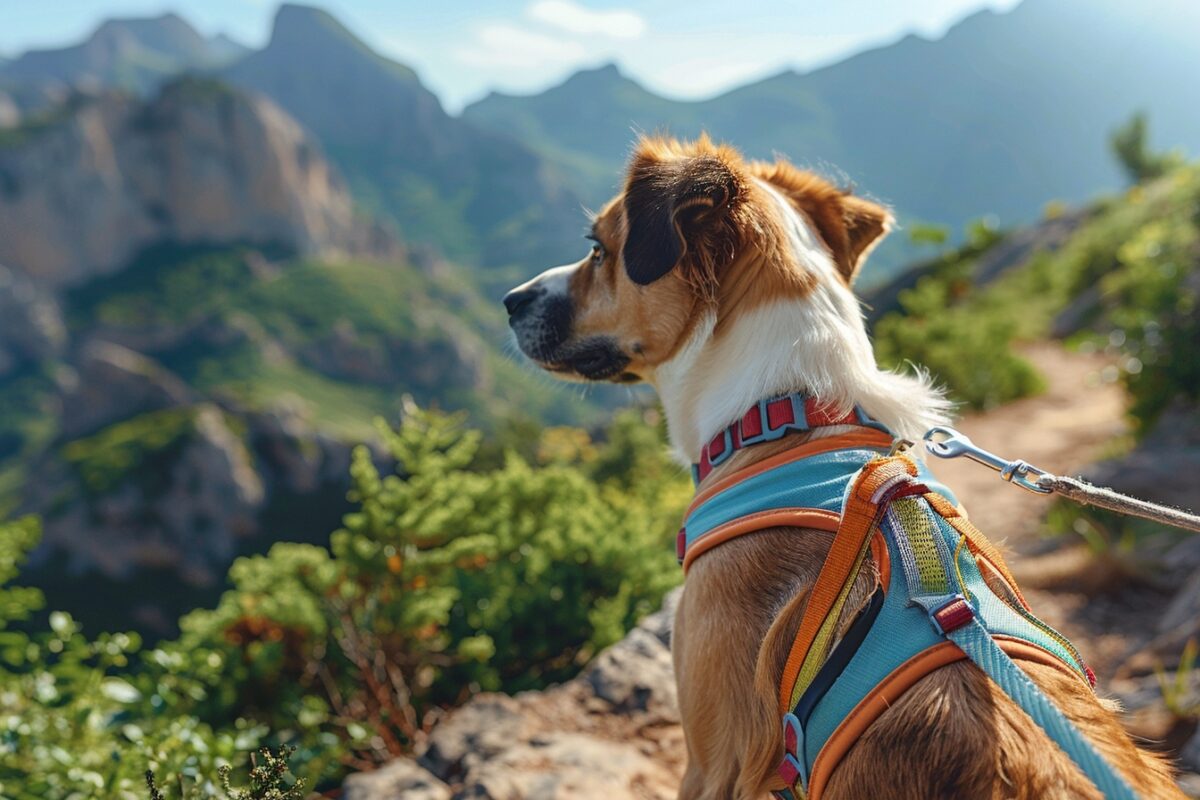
731	735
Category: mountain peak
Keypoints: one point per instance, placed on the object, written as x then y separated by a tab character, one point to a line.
305	33
605	77
300	24
136	53
167	33
605	73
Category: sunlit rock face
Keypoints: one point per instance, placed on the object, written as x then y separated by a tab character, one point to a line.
109	175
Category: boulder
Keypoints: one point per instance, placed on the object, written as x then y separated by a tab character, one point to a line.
570	766
636	674
401	779
611	732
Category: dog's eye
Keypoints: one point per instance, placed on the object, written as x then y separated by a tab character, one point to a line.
597	253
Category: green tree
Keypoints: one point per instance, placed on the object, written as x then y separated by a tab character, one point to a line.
1130	144
445	580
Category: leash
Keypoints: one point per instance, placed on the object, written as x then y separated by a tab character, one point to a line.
946	442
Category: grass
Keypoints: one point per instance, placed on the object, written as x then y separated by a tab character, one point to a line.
341	409
279	311
128	449
1179	694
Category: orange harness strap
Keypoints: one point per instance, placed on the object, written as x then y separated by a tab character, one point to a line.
859	519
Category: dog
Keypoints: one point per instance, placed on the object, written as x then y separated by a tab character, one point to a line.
721	282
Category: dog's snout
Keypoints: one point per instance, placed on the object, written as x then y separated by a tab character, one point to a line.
518	299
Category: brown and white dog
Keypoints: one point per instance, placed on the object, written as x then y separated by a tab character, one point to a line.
722	282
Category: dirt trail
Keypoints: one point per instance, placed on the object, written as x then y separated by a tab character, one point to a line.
1062	430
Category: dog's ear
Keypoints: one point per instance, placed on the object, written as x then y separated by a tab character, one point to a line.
669	204
866	223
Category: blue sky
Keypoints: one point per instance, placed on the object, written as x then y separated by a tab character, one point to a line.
462	50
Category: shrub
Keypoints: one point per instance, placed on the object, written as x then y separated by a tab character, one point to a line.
450	576
77	717
445	580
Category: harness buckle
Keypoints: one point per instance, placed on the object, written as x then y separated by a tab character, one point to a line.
951	615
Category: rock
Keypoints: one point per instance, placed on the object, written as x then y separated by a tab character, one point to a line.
199	163
636	674
660	622
402	779
443	353
182	506
31	324
570	766
115	383
10	114
482	729
1013	250
611	732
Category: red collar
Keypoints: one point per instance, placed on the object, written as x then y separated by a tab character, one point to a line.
768	420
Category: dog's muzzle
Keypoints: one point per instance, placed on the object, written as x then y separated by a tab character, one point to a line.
540	315
541	320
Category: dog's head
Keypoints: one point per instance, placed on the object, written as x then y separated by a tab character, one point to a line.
696	235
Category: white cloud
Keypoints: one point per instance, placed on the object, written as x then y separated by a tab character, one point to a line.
574	18
503	45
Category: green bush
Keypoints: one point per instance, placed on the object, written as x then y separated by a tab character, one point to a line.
79	717
453	575
965	343
446	580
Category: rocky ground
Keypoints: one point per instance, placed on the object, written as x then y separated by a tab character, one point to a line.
613	732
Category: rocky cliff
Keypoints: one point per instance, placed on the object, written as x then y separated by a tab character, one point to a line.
481	197
108	175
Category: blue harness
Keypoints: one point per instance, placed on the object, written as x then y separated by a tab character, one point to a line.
939	594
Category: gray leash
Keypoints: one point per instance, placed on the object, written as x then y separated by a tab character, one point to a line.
949	443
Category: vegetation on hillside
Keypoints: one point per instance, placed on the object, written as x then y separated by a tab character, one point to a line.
356	333
1128	281
465	570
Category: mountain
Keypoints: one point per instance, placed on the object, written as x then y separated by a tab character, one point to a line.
481	197
135	54
86	189
1003	114
196	328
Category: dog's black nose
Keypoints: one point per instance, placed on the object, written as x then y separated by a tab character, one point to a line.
517	299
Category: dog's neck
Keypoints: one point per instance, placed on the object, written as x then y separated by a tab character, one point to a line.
815	344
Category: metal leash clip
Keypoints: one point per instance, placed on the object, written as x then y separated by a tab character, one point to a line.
953	444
